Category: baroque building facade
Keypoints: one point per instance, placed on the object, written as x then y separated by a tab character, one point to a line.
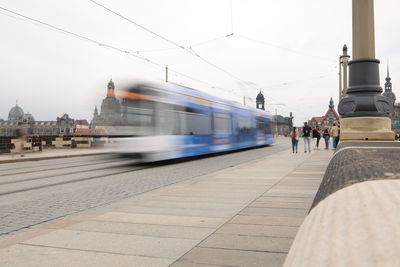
111	111
20	123
330	117
395	114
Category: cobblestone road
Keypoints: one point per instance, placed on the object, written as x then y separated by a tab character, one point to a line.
94	186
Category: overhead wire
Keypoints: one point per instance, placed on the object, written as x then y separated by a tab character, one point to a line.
102	44
211	40
283	48
135	54
187	46
188	50
302	80
191	51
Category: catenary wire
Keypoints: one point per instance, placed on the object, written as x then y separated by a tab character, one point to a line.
190	51
102	44
188	46
123	51
282	47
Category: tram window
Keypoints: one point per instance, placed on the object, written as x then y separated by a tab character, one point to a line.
139	113
139	116
167	122
194	123
222	123
244	125
198	123
262	126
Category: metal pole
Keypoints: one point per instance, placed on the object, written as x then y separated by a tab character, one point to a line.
344	92
166	73
345	59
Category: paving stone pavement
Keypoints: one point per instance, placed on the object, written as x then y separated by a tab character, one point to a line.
261	234
246	215
26	209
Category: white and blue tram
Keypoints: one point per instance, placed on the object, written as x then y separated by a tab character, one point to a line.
171	121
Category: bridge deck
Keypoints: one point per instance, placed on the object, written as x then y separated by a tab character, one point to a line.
247	215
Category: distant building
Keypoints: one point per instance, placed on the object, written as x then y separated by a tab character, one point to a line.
395	115
111	113
81	124
284	125
330	117
20	123
281	125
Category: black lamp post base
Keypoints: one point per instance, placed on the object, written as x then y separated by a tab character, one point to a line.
364	111
364	93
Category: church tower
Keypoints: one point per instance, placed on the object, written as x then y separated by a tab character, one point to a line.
111	88
331	105
388	88
110	111
260	101
330	116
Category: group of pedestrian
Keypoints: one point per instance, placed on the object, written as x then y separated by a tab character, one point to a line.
306	132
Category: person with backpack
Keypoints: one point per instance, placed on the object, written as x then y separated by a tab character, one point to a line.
306	137
295	139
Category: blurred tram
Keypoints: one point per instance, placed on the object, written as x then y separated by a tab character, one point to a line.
168	121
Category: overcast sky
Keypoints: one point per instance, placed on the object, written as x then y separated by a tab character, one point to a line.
288	48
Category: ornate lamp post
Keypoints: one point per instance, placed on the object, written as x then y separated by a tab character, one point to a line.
364	110
343	62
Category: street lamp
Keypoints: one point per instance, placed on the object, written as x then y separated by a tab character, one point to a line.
343	61
364	110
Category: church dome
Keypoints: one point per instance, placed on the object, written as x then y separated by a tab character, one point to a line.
16	113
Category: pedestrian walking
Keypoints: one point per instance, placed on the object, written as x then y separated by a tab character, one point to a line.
306	137
335	135
326	136
295	139
317	136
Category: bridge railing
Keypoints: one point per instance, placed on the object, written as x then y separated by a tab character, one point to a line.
355	217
